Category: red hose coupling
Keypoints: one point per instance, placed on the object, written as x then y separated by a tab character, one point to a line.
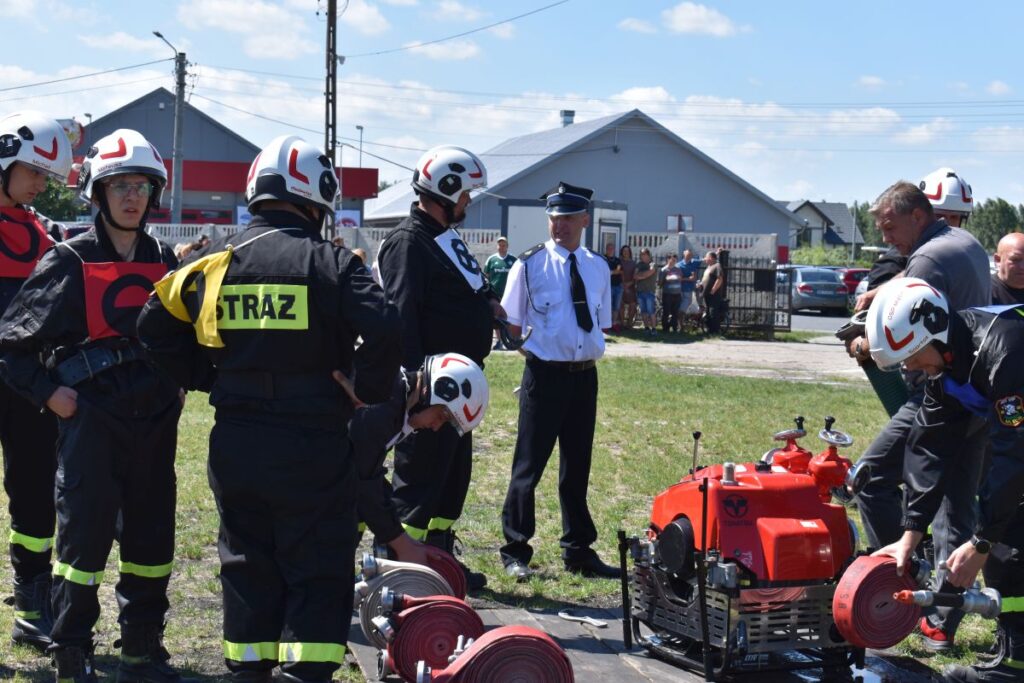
426	629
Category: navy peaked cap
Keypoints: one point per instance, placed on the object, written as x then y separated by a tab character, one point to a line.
567	199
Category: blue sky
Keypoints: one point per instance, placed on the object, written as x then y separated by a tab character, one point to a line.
803	99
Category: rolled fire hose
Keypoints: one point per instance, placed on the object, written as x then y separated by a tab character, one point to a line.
401	577
427	630
510	654
864	609
446	565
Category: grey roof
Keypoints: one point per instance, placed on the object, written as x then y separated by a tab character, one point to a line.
518	156
837	214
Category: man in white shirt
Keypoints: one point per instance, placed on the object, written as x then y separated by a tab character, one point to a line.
562	291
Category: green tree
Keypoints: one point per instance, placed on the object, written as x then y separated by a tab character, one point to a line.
993	219
866	224
57	202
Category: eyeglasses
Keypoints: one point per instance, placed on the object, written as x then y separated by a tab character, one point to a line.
142	189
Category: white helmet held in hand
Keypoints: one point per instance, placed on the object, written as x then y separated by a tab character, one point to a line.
456	382
906	315
123	152
948	192
446	172
291	170
37	141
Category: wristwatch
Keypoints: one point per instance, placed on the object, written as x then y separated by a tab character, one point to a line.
981	545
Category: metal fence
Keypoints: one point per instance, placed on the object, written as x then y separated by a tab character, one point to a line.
758	301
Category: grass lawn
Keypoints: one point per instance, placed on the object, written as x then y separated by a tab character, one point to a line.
645	416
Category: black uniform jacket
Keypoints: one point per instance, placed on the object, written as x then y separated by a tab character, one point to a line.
372	431
987	346
47	323
440	312
289	311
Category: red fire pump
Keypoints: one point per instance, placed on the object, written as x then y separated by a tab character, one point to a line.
739	567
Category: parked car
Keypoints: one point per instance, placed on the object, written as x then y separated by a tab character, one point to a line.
818	288
853	276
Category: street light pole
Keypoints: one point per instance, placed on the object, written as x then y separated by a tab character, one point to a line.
180	63
360	129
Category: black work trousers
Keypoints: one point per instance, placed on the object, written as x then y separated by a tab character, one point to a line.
1008	578
670	311
287	503
431	479
29	438
111	463
554	403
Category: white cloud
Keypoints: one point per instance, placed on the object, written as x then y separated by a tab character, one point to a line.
871	81
452	10
998	88
451	51
999	138
365	18
872	120
125	42
799	189
960	86
925	132
397	3
269	31
637	25
504	31
689	17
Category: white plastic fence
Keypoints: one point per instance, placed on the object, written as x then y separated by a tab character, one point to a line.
740	245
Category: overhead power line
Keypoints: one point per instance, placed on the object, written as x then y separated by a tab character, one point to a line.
414	46
95	87
95	73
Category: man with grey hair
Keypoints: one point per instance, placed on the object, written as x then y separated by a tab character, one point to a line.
955	263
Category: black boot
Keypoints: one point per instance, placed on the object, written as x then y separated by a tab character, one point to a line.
74	665
33	618
143	657
445	540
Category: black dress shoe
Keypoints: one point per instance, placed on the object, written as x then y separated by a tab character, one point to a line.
520	571
592	568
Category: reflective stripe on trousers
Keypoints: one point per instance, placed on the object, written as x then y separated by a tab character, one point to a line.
285	652
69	573
36	545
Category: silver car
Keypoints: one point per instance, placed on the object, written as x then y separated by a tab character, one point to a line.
818	288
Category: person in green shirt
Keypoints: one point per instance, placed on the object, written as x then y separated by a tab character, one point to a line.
496	269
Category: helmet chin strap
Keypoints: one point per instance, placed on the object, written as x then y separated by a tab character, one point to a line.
5	180
108	219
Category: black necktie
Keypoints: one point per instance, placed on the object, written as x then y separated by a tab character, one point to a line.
579	297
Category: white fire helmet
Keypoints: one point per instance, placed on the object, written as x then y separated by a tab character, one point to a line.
456	382
905	316
37	141
291	170
446	172
123	152
948	192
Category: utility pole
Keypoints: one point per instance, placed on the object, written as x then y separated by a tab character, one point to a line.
180	64
331	88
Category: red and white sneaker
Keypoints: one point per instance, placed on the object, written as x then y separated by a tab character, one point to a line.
934	638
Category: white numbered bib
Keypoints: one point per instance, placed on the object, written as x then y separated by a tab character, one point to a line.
460	256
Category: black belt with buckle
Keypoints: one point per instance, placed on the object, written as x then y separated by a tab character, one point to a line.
88	363
567	365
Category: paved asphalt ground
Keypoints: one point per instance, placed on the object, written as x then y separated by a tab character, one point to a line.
819	322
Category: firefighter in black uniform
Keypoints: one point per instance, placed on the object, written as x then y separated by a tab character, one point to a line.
972	359
68	343
445	305
449	388
32	150
261	320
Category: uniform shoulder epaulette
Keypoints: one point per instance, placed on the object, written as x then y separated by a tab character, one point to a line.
531	251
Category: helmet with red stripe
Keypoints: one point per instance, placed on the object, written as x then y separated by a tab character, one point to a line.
457	383
948	192
37	141
905	316
445	172
123	152
291	170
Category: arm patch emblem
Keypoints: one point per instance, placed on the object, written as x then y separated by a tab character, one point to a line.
1010	410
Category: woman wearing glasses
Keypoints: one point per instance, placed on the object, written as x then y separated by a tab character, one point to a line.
68	342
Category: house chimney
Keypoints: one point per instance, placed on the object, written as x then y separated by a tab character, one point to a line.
567	116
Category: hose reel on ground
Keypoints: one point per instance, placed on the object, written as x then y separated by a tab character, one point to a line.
422	629
510	654
406	578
